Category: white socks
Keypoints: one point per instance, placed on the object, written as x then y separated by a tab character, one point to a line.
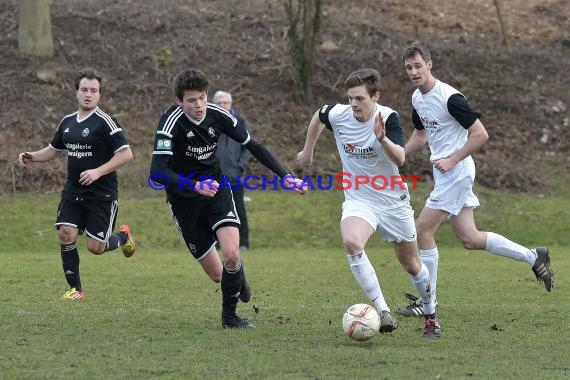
422	284
365	275
496	244
501	246
430	257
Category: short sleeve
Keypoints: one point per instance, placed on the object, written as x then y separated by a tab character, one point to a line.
57	140
324	116
461	110
394	129
417	121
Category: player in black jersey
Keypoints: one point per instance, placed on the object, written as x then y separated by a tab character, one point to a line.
96	147
184	161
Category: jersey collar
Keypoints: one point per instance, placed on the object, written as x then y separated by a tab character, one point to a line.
197	122
79	120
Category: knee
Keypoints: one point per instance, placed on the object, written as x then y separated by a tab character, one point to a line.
95	247
409	258
413	267
67	236
471	242
231	257
423	231
352	246
213	266
215	276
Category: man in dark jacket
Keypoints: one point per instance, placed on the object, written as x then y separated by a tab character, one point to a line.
233	160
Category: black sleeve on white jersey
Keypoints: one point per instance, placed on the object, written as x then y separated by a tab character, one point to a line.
417	121
394	129
263	155
324	116
460	109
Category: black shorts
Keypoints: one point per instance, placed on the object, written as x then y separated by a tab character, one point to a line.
198	219
96	218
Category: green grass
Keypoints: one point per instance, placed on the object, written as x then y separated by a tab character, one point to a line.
156	315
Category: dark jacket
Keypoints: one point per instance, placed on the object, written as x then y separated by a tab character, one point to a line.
232	155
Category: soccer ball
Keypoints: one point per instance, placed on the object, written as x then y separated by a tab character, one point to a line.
361	322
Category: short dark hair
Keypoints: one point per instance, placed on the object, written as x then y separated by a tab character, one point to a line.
89	73
368	77
416	47
190	80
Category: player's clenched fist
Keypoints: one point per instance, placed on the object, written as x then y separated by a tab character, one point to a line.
297	185
25	158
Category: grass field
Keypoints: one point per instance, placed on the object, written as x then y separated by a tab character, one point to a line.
156	315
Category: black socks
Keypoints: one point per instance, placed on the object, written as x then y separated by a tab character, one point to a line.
70	260
231	285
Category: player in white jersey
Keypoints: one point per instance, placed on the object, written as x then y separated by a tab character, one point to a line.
443	118
370	143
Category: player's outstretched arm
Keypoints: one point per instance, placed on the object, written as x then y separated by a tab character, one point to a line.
305	157
46	154
263	155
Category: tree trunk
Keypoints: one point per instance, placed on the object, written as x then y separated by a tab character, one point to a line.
304	20
504	33
34	28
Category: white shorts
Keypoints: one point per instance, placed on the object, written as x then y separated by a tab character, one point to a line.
453	190
396	225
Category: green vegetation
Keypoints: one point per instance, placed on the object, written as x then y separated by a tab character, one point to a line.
164	57
156	315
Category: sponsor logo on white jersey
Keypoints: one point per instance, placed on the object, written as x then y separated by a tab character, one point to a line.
358	152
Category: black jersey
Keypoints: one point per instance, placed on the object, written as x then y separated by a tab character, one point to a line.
90	143
191	145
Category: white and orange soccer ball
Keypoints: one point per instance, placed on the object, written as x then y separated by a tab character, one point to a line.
361	322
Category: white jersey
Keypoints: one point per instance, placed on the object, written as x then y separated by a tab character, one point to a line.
362	155
445	135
